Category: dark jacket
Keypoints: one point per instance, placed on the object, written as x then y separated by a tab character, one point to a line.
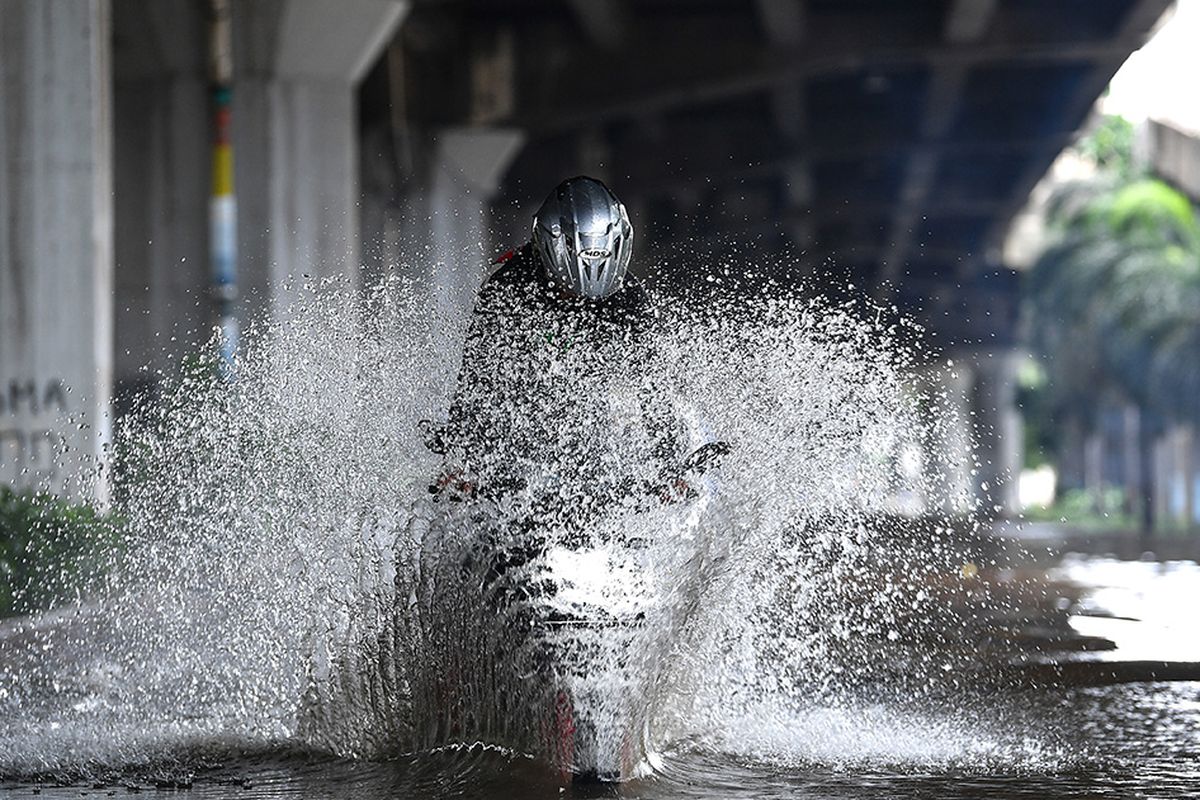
554	398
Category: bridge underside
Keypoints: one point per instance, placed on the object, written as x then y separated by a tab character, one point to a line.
884	144
889	142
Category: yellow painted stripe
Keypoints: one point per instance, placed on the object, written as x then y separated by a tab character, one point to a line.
222	170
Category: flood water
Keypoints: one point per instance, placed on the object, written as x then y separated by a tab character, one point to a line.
1127	740
313	598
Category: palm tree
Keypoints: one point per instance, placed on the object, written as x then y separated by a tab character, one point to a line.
1115	300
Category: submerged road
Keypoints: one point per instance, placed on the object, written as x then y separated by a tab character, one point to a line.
1081	706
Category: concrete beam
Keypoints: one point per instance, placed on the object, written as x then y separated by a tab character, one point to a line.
708	151
966	24
679	75
1136	27
55	241
295	144
605	21
782	20
335	41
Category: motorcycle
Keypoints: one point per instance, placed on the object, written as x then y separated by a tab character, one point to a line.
550	633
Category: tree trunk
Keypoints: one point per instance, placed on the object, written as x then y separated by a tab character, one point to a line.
1164	474
1093	469
1131	459
1071	449
1187	474
1149	477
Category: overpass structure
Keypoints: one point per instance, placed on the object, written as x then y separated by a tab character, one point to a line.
886	144
895	140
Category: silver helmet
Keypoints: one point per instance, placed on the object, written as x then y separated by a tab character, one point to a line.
583	237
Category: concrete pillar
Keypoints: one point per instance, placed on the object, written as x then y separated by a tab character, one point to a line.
999	444
1093	468
1173	468
947	458
162	154
1131	458
467	168
1193	479
377	217
1184	451
296	66
1071	462
440	226
55	238
1175	476
441	234
1162	480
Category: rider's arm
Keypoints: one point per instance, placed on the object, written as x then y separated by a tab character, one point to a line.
459	438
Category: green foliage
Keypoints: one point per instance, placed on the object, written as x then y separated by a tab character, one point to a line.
51	551
1041	435
1110	145
1114	307
1150	211
1080	508
1115	299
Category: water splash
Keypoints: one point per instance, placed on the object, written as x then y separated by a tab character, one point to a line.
291	581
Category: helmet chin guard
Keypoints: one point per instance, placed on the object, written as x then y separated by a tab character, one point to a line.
583	238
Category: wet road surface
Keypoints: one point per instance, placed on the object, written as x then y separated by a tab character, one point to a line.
1037	735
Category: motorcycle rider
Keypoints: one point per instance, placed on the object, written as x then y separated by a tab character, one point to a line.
531	427
569	288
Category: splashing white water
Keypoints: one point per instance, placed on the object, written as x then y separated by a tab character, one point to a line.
289	578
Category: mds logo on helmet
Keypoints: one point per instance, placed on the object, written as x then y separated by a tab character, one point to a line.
594	253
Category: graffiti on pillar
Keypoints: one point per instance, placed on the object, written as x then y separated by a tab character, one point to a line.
30	443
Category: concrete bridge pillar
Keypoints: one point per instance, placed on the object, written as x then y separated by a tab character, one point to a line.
439	233
162	155
466	173
56	261
296	66
440	230
947	457
998	431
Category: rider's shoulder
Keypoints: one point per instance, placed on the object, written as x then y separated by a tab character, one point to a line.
514	267
510	284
